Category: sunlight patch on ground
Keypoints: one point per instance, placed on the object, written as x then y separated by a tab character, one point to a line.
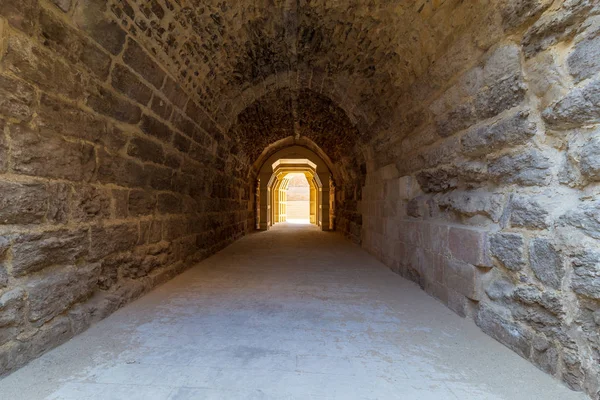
298	221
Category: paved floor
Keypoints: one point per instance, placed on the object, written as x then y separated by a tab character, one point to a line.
293	313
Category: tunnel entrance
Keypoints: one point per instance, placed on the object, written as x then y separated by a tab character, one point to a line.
293	186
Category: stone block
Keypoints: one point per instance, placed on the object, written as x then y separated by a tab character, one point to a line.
169	204
120	171
528	212
508	248
110	239
36	65
579	107
510	131
181	143
546	262
161	107
503	330
145	150
32	252
457	119
70	44
89	16
470	246
143	64
174	93
64	5
20	14
50	156
528	168
23	203
160	178
586	274
464	279
55	116
90	203
106	102
153	127
51	294
500	96
59	203
119	203
141	202
130	85
16	98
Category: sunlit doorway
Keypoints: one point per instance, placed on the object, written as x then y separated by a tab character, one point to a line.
298	199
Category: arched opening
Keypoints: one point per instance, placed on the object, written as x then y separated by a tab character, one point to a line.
273	185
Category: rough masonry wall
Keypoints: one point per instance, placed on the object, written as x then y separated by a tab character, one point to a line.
111	179
491	202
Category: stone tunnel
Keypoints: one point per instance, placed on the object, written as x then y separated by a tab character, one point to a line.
456	142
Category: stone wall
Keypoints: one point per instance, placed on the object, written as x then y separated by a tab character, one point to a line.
111	180
462	136
491	203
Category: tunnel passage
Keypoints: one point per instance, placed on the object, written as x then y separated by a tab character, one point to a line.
461	137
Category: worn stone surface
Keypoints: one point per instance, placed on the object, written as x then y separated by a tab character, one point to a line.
509	249
586	278
546	262
454	133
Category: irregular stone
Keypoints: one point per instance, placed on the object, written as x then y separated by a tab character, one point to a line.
35	251
545	77
508	248
584	61
64	5
90	204
580	106
141	202
112	239
16	98
509	131
51	294
457	119
160	177
500	289
586	217
50	156
500	96
142	63
572	373
145	150
120	200
438	180
528	168
527	212
590	159
546	262
470	203
414	208
516	13
555	26
586	274
545	356
503	330
130	85
11	314
23	203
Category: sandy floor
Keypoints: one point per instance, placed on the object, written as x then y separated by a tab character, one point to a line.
293	313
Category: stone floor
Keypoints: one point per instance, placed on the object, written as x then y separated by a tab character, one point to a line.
293	313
